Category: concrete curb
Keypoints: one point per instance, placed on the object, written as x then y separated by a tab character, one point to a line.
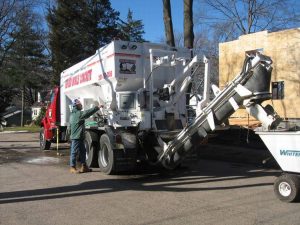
13	132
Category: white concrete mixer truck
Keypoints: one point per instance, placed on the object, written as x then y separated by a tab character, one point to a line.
142	89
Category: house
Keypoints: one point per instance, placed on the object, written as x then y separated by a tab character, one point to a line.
36	109
12	116
284	49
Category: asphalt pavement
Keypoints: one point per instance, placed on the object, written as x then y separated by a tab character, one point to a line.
36	188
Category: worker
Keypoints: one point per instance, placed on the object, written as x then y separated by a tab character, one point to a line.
77	130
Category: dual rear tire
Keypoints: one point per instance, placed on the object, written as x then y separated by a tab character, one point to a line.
113	161
91	148
106	155
102	154
99	154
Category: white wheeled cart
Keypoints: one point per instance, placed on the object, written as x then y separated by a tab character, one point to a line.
285	148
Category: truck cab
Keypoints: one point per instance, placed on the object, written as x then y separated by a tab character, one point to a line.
50	124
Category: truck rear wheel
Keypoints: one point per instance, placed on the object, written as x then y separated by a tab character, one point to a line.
106	155
112	161
44	144
287	188
91	148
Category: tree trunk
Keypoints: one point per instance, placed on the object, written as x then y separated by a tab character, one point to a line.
188	36
168	23
188	24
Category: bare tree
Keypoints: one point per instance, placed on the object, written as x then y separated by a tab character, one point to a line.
168	23
7	26
188	24
232	18
24	68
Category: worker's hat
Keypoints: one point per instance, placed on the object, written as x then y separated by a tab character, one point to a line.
76	102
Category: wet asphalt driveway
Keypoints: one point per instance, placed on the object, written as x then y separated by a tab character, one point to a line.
23	147
36	188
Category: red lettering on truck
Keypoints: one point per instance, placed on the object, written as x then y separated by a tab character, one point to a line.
107	74
86	76
78	79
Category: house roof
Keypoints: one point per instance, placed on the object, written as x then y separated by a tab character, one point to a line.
38	105
13	110
10	111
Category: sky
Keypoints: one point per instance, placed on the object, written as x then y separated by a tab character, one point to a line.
151	13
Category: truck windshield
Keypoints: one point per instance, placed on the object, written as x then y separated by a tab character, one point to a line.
52	96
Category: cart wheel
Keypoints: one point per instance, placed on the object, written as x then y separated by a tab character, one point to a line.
287	188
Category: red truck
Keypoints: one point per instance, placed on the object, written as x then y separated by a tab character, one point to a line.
50	124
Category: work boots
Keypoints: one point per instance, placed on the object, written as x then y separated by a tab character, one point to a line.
85	169
73	170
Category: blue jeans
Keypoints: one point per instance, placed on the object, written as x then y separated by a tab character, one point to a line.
77	147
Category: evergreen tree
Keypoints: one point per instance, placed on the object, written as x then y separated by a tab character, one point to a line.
6	95
132	30
77	29
26	65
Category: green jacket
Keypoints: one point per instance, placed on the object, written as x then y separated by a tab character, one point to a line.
77	118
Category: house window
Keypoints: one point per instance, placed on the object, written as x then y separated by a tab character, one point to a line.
278	90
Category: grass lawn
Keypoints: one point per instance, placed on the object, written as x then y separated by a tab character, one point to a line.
25	128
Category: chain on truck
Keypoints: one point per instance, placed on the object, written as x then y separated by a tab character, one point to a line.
145	113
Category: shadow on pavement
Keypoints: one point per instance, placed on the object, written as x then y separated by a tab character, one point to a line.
171	181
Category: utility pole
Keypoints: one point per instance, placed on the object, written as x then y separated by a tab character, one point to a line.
22	107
